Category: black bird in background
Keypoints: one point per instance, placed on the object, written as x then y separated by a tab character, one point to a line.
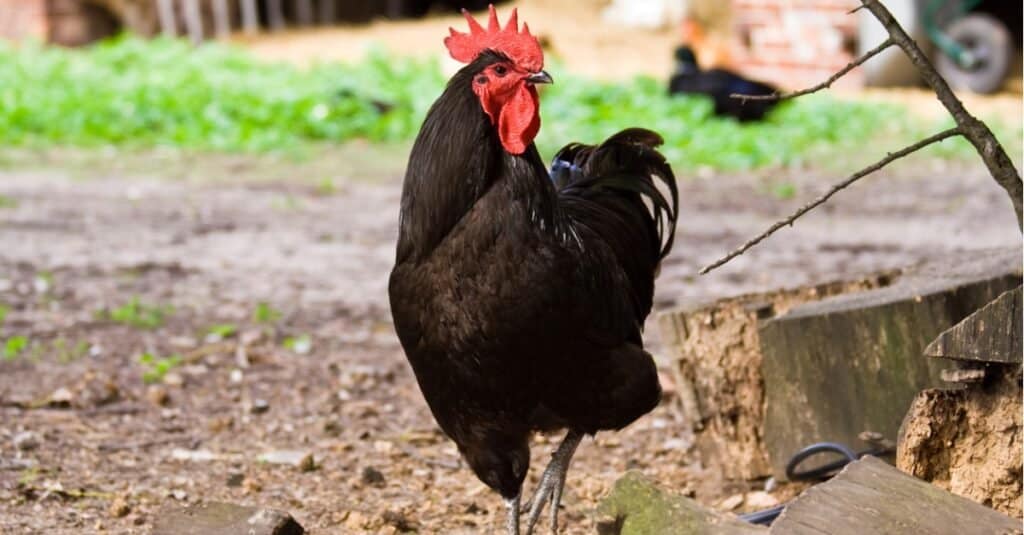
719	84
519	294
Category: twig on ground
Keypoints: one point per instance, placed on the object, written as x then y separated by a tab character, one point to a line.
832	191
144	444
823	85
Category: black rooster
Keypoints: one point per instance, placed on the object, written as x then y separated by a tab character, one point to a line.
520	303
720	85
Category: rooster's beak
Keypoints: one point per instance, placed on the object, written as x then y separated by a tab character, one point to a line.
540	77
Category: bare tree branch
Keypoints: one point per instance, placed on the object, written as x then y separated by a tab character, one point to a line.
832	191
991	151
988	147
827	83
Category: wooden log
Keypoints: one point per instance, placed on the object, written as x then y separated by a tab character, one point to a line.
193	21
717	351
218	518
838	367
168	21
869	496
969	441
992	334
250	20
637	507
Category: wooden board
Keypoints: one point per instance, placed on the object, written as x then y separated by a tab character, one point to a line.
992	334
869	496
840	366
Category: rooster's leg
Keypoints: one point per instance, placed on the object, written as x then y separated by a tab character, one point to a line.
512	516
552	482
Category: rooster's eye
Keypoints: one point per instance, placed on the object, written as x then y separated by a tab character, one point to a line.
500	70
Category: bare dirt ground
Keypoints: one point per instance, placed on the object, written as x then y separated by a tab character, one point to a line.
86	445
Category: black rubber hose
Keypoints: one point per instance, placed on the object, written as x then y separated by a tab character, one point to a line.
767	516
822	471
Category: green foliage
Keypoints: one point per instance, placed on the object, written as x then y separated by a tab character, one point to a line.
221	331
8	202
264	313
137	94
784	191
138	314
133	92
301	344
66	353
155	368
14	346
3	313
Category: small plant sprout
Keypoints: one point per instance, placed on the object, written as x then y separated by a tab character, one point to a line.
326	187
43	282
216	333
156	368
66	353
14	346
141	315
784	191
264	313
301	344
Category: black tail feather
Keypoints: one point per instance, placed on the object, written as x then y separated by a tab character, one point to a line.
628	163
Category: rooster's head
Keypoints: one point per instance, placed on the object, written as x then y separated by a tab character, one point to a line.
504	85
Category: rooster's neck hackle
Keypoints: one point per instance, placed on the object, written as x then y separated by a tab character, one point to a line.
456	160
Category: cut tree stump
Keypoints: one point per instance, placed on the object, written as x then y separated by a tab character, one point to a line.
869	496
837	367
218	518
637	507
968	440
717	366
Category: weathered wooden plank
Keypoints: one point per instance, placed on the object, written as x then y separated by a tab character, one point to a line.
218	518
250	20
327	12
193	21
992	334
637	507
221	18
304	12
275	13
838	367
168	21
869	496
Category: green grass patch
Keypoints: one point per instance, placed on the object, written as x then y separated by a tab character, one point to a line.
138	314
132	93
264	313
156	368
13	347
221	331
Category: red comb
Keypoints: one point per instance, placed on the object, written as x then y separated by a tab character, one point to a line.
519	46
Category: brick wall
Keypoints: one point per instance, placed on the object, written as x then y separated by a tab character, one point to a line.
795	43
23	19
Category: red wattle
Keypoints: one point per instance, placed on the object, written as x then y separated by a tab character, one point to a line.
518	121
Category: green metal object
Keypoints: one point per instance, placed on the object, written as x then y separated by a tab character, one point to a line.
961	54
